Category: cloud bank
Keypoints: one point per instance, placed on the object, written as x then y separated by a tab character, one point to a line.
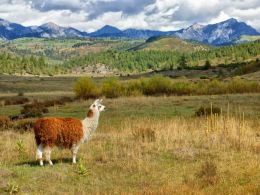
89	15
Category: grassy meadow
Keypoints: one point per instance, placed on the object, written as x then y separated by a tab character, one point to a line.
181	117
143	145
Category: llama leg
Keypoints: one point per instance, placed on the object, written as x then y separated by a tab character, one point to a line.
47	152
39	152
74	151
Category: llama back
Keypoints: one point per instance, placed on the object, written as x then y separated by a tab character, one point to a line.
63	132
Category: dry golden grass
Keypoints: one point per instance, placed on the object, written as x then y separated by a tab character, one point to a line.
142	147
213	155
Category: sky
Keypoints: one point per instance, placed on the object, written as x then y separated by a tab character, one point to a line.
90	15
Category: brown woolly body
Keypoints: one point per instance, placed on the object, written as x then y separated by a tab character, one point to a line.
62	132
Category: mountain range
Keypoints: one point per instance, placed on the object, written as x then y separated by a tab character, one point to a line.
223	33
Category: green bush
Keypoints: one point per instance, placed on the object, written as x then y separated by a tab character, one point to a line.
157	85
182	88
112	88
133	88
85	88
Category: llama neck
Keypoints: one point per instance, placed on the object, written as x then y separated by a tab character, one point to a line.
90	124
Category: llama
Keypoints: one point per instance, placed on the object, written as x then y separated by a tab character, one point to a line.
65	132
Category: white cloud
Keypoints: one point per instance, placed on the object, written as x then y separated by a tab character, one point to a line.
89	15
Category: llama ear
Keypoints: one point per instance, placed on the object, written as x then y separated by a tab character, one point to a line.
100	100
96	101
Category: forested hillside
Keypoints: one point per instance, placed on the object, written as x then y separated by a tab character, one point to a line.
11	64
154	59
127	61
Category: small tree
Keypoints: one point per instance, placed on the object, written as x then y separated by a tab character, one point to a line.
85	88
207	65
182	62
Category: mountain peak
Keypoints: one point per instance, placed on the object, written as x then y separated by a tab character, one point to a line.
50	25
110	28
4	22
106	30
231	20
196	26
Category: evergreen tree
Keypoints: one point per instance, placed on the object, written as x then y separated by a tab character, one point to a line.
182	62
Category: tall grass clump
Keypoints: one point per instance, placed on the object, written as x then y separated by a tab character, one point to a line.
86	88
5	122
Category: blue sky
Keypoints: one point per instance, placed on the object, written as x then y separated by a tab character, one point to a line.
89	15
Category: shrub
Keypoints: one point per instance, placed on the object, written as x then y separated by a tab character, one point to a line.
204	77
210	87
111	88
24	125
238	85
157	85
5	122
85	88
205	111
20	94
35	109
66	99
134	88
60	101
182	88
160	85
16	100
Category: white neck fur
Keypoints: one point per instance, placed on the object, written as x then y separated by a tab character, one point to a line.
90	124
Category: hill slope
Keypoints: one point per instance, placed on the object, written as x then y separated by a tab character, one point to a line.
170	43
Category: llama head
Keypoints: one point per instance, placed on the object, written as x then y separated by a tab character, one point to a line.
97	107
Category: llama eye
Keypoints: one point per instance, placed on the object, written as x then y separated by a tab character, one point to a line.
99	107
94	106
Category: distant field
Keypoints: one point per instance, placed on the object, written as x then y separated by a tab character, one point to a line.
15	84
